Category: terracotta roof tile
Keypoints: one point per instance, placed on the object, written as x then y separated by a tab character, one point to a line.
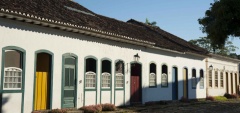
72	12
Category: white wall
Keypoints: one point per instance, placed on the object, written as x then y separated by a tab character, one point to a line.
33	38
225	67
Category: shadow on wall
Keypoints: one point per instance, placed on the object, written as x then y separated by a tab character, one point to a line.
161	93
191	86
4	101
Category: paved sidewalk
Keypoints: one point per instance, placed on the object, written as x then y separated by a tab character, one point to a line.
229	106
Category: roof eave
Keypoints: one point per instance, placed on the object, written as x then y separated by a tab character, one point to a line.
82	30
224	58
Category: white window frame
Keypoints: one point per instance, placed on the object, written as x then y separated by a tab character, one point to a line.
152	80
216	79
88	84
194	79
12	78
210	82
119	81
221	80
106	80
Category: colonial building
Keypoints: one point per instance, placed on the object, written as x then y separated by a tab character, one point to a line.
58	54
223	75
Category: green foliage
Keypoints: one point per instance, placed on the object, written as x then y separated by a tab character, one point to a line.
220	98
206	43
154	23
221	21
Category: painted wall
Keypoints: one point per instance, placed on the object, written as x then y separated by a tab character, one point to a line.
33	38
225	67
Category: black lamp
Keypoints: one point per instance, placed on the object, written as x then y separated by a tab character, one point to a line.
210	67
136	57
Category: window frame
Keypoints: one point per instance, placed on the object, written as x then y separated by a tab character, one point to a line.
153	74
216	85
119	75
109	74
201	79
95	73
22	60
11	78
221	80
210	81
194	78
163	76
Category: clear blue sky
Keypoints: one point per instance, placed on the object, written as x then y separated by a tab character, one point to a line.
178	17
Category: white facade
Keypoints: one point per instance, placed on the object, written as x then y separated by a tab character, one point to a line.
229	81
33	38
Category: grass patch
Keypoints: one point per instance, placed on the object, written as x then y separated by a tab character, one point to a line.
220	98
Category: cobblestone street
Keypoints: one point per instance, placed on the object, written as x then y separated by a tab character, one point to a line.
229	106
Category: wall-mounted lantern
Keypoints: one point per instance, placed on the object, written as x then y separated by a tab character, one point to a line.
210	67
136	57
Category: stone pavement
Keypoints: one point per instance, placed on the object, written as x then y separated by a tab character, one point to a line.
229	106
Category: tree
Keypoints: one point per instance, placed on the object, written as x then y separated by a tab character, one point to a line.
205	43
221	21
154	23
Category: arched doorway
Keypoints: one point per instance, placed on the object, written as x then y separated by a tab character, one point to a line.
185	82
174	83
43	81
227	90
136	86
69	81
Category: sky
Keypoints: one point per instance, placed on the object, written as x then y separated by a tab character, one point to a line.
179	17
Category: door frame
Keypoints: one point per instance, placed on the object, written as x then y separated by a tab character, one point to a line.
134	62
231	76
34	78
175	82
185	80
76	77
227	82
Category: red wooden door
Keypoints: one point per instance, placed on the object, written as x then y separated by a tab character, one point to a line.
135	89
136	92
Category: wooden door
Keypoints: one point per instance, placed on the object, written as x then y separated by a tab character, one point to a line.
174	84
227	90
231	83
69	87
136	89
185	83
236	83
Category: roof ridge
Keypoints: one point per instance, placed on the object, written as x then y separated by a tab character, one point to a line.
155	28
48	11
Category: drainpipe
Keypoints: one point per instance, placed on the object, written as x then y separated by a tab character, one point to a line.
207	74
